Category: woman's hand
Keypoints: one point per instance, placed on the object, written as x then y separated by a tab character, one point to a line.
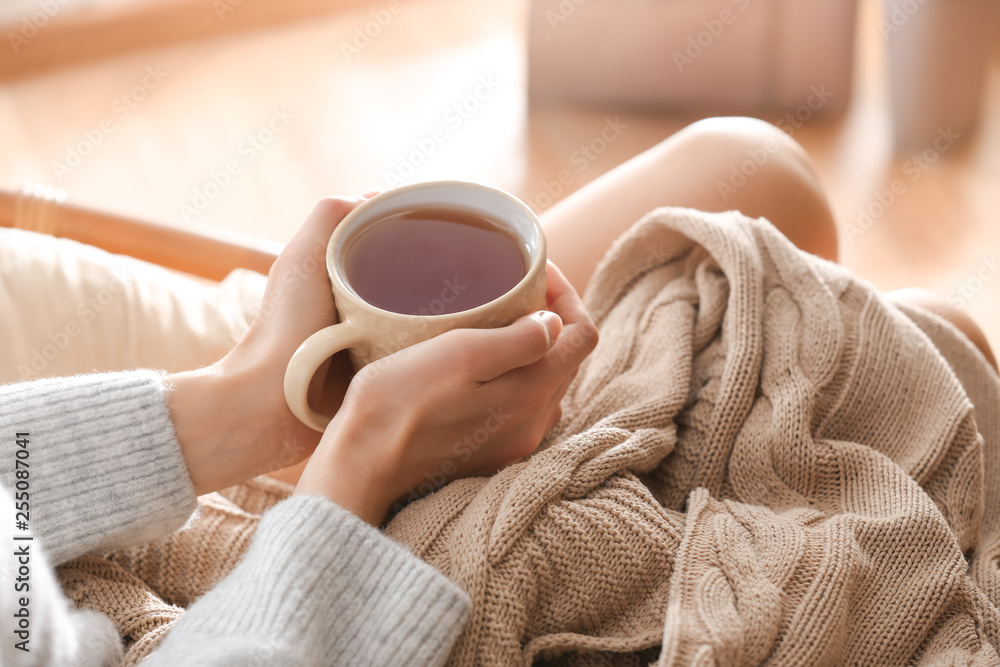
231	418
467	402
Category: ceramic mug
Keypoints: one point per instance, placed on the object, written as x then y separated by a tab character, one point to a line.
371	333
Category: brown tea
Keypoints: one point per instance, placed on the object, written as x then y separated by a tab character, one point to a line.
434	262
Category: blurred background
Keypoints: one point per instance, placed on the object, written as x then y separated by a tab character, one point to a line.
240	114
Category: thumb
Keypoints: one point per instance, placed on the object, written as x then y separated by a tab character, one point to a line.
519	344
313	236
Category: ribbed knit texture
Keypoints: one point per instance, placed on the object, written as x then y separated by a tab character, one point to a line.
104	462
319	586
763	462
984	390
144	589
317	583
104	469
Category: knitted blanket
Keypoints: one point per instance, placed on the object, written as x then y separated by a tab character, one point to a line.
145	589
763	461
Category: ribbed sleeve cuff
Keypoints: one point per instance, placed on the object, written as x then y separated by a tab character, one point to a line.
105	467
320	586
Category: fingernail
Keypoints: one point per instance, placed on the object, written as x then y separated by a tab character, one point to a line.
552	324
369	194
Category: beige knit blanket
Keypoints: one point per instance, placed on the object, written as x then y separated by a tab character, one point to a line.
762	462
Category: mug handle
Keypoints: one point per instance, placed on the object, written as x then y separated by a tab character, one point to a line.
306	361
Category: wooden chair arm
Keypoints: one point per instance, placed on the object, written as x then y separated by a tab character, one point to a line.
198	250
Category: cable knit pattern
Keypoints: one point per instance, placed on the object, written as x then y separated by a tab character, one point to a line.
763	462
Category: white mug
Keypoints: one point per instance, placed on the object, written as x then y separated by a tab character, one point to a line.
372	333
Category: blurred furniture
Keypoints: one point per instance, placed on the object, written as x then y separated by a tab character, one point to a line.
71	308
43	35
712	55
938	51
201	251
101	299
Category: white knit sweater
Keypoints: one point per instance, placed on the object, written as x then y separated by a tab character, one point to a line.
318	586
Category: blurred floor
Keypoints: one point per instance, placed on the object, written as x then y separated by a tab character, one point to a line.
294	115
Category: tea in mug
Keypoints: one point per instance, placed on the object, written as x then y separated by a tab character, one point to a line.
434	261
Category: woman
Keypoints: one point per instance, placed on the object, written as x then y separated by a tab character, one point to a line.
120	458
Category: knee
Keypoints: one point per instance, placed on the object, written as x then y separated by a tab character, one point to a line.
743	130
961	320
751	146
762	172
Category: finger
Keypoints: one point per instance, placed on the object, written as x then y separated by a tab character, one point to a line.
555	371
561	390
491	353
531	348
562	298
316	230
579	336
536	387
555	415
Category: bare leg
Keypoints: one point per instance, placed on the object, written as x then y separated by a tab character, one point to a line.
685	170
944	309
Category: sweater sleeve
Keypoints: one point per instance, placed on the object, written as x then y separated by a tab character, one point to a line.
103	467
85	462
319	586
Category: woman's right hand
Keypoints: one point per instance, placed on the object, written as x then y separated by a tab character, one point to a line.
465	403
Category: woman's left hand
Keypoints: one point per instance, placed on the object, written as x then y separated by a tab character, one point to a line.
231	418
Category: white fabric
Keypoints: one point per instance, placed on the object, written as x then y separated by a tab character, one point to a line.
71	308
